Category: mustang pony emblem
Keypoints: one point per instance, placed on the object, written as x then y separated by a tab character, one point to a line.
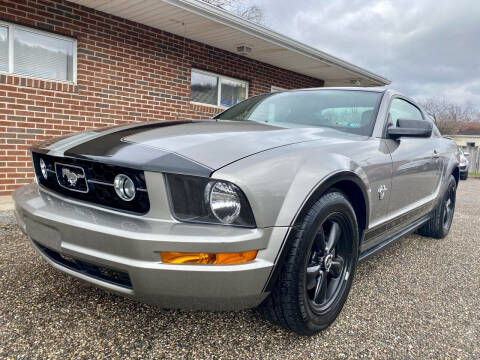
381	192
72	177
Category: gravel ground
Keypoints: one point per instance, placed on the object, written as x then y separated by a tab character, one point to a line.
420	298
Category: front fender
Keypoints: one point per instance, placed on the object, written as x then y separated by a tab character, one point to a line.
279	182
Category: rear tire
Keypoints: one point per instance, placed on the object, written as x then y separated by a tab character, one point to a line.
463	176
439	225
318	271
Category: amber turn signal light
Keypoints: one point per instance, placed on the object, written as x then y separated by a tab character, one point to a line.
208	258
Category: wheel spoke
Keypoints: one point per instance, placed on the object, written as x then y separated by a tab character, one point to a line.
337	266
320	241
448	213
333	237
333	283
321	288
312	275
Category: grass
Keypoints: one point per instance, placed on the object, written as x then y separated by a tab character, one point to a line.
474	175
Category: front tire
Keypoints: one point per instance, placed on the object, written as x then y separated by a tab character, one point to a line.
439	225
317	274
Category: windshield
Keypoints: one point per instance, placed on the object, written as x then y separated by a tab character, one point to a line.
351	111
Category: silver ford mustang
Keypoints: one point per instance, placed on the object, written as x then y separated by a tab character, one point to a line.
270	204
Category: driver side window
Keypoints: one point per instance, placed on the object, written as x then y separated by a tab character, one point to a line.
401	109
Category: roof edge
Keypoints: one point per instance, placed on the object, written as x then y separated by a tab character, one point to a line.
460	135
224	17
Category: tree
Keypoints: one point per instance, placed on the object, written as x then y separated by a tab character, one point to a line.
435	107
449	117
448	127
241	8
460	113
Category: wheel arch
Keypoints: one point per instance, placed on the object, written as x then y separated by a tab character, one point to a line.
346	182
349	184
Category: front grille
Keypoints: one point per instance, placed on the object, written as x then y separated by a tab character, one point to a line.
97	184
116	277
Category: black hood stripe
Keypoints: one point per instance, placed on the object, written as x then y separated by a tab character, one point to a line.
109	144
112	149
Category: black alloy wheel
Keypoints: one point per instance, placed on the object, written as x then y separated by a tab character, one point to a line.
441	217
449	203
317	273
330	261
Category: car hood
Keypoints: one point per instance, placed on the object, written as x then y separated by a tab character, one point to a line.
192	147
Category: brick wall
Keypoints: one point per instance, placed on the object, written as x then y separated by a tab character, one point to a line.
126	72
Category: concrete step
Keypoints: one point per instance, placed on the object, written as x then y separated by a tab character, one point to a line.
6	203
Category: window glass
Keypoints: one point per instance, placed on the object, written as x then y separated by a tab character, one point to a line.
348	116
216	90
232	92
204	88
42	56
3	48
344	110
401	109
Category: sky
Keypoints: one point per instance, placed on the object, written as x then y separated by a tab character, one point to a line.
427	48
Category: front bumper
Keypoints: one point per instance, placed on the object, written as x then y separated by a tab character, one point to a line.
131	245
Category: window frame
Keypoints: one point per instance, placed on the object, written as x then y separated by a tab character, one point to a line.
219	92
406	99
11	32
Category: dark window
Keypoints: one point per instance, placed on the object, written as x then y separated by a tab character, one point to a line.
212	89
42	56
204	88
3	48
232	92
37	53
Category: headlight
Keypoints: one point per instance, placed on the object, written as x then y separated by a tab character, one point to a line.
224	200
124	187
204	200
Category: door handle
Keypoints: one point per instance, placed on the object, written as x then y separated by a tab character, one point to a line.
436	155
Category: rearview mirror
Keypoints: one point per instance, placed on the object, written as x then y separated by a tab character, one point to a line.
410	128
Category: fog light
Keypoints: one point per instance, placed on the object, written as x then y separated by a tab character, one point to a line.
124	187
43	169
208	258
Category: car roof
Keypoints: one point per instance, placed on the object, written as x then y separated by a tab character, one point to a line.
356	88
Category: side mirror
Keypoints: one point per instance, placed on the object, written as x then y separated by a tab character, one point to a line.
410	128
466	154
